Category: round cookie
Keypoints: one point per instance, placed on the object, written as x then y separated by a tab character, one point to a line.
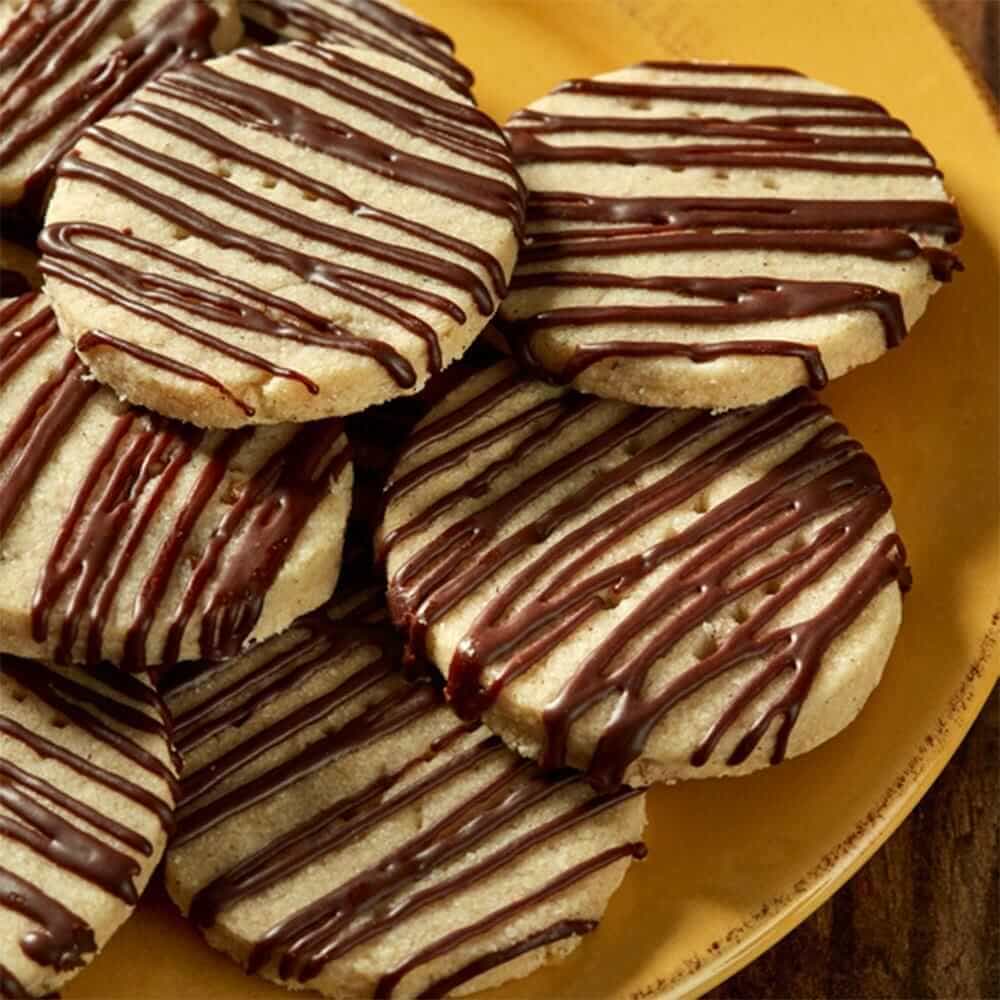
340	829
646	594
712	235
382	25
315	229
87	790
18	270
130	538
67	63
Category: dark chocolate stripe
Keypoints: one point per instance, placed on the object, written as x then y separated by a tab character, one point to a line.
61	940
559	931
717	94
783	155
827	477
938	218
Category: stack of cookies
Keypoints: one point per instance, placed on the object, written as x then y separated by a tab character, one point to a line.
388	498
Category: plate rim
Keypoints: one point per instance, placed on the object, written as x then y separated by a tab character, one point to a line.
780	915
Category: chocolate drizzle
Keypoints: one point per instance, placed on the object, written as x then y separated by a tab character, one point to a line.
802	130
75	252
827	493
47	36
364	23
121	496
60	939
377	899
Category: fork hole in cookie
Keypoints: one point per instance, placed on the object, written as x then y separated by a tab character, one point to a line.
19	697
772	587
633	446
740	614
771	183
58	722
721	175
640	104
270	182
309	196
796	542
701	504
223	171
707	645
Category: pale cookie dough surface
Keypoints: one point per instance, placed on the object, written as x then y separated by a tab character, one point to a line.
67	63
341	830
134	539
382	25
18	270
647	594
87	790
708	235
284	233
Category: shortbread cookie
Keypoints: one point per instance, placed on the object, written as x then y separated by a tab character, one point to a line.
340	829
382	25
87	790
67	63
131	538
647	594
713	235
18	270
315	229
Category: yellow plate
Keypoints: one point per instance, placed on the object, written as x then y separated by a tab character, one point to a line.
734	865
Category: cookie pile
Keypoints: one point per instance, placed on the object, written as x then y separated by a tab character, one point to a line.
387	499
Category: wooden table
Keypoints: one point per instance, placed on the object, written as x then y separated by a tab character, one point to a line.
922	918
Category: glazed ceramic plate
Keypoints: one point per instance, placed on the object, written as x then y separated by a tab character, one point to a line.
735	864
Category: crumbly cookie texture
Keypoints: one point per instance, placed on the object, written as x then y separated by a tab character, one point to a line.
18	270
67	63
138	540
351	835
325	228
382	25
712	235
645	594
89	786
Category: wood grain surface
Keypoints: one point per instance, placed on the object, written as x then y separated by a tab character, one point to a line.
922	918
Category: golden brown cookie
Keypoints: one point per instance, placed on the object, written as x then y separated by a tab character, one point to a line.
713	235
648	594
284	233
